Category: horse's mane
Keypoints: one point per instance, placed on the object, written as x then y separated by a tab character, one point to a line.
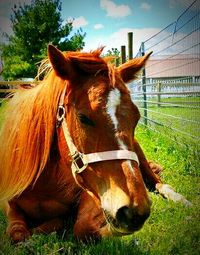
27	134
28	129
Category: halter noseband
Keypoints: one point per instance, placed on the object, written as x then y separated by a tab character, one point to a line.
80	160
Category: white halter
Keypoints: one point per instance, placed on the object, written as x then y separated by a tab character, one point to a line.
80	160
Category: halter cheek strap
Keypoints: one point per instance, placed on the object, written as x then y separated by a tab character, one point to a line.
80	160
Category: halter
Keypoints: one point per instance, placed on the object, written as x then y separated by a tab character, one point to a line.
80	161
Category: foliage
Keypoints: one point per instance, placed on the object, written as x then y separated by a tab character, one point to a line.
34	27
115	54
171	228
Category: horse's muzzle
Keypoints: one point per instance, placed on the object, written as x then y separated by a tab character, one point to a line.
128	220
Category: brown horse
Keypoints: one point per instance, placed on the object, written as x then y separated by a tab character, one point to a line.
68	149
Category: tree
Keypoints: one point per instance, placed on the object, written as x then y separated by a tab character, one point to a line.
34	27
114	52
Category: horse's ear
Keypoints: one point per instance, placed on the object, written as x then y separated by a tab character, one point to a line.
129	70
60	64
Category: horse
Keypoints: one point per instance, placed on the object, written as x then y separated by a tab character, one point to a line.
69	150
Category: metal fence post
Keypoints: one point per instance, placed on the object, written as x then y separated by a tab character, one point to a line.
159	95
144	87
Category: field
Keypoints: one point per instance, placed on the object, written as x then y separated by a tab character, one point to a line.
171	228
180	123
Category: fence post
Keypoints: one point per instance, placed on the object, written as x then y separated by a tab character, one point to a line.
123	54
144	87
130	45
159	95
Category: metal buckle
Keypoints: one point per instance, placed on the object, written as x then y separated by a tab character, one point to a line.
60	115
79	163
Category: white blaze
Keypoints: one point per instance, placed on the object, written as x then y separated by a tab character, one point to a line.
114	99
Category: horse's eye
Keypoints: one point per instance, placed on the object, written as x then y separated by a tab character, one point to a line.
85	120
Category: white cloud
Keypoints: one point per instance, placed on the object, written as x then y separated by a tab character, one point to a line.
139	35
114	10
145	6
120	37
94	42
98	26
78	22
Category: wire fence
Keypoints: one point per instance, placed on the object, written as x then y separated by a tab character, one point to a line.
168	91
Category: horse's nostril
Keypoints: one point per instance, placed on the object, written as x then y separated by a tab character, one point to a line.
130	218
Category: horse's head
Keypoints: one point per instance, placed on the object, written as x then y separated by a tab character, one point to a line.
99	122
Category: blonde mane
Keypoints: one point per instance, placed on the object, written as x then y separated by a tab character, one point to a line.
26	135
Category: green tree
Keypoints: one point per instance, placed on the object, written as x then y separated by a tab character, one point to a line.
113	52
34	27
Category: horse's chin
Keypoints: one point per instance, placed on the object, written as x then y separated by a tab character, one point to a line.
120	231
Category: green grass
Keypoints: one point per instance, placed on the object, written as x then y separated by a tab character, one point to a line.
183	100
172	228
178	122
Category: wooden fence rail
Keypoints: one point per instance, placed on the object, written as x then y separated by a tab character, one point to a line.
7	87
16	83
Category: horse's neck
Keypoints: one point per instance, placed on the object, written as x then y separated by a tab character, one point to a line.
56	182
56	178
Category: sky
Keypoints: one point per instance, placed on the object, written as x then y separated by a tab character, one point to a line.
107	22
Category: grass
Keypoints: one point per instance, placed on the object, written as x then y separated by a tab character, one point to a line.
179	122
183	100
172	228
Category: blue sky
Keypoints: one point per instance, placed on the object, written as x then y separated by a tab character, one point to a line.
107	22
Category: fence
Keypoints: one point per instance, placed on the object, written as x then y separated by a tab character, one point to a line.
168	91
7	87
